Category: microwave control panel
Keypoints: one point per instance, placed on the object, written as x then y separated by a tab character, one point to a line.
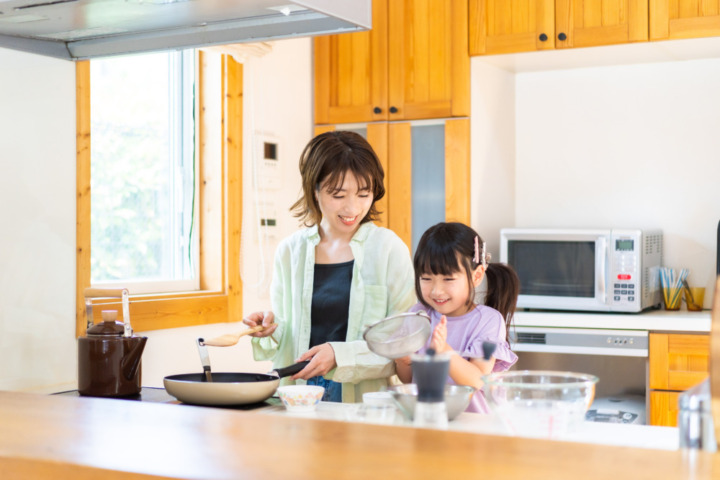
636	257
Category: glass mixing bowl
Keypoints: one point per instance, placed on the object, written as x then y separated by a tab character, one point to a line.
544	404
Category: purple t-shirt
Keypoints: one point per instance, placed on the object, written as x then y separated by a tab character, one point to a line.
466	333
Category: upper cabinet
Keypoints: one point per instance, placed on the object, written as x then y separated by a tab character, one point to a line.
502	26
413	64
675	19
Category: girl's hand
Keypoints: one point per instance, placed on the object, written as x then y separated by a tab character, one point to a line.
439	337
322	360
266	319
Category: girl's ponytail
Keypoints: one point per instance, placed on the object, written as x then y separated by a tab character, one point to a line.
503	287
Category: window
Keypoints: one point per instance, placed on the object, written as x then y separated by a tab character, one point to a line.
143	173
217	203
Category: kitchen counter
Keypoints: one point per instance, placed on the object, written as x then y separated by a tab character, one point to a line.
63	437
650	320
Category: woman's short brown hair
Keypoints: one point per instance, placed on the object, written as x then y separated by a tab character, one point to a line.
326	160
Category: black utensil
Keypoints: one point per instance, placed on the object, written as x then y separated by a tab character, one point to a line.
488	349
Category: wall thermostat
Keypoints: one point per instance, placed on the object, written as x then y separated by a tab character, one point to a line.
267	162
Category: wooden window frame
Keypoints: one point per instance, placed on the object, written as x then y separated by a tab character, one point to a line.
220	296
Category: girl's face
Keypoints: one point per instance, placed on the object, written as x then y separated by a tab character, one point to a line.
343	210
449	294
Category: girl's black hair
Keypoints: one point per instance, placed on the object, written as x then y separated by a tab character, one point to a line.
449	247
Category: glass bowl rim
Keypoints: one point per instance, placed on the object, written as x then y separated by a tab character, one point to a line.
500	379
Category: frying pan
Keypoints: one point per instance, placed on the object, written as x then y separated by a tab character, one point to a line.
227	388
223	389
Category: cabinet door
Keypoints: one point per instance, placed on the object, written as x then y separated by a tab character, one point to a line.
503	26
672	19
663	409
604	22
678	362
351	73
429	64
420	156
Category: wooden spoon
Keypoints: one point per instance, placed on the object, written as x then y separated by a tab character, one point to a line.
230	339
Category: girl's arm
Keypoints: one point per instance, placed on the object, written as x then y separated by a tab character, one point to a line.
469	372
462	371
403	369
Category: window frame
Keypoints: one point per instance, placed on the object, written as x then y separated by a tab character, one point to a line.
220	190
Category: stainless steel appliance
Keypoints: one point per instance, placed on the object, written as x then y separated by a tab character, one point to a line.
585	269
619	358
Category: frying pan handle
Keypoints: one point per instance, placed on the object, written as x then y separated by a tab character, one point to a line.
292	369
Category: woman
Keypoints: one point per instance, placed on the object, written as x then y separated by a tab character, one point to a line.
336	277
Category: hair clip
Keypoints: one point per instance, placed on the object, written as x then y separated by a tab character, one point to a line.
485	256
476	258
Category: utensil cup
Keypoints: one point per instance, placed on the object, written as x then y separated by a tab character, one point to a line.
694	298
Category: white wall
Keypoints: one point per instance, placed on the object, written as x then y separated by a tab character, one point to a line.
37	209
618	146
492	133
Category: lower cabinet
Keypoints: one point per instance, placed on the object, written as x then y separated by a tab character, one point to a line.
676	363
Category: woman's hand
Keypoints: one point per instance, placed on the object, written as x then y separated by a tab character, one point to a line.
439	337
322	360
266	319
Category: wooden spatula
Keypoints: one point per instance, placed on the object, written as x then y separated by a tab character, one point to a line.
230	339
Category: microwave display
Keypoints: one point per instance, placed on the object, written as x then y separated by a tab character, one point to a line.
624	245
554	268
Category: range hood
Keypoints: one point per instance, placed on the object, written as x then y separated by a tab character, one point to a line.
83	29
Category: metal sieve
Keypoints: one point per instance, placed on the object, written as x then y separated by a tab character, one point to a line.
399	335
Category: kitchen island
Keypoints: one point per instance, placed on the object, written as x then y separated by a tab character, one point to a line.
62	437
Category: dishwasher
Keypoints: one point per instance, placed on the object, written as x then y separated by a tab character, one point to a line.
619	358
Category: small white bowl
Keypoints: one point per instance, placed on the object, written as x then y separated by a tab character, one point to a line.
300	398
378	398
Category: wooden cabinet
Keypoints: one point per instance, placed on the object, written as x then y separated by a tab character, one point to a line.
674	19
405	206
502	26
676	363
413	64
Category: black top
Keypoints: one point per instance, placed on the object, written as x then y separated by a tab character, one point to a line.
330	302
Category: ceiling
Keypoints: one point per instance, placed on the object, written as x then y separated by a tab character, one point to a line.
82	29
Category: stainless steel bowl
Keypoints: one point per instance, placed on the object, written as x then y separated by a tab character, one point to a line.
457	398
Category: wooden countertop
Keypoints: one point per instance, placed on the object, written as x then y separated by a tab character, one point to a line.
62	437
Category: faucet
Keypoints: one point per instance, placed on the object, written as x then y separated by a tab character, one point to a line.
695	422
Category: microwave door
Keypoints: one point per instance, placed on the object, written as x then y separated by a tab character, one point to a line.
562	274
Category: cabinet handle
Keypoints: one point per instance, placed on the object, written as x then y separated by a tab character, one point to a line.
393	110
562	37
377	110
543	37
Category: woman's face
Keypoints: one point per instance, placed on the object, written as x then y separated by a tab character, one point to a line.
343	210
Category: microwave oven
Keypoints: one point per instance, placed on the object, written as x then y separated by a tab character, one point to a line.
585	269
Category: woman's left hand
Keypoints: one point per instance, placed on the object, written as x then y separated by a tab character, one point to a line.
322	360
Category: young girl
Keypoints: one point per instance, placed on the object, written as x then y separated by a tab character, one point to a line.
450	262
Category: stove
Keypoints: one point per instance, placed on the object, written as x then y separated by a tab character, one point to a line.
159	395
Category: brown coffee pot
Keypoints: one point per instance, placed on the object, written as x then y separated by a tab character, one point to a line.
109	356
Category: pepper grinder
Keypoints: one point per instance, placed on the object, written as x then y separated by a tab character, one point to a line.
430	372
